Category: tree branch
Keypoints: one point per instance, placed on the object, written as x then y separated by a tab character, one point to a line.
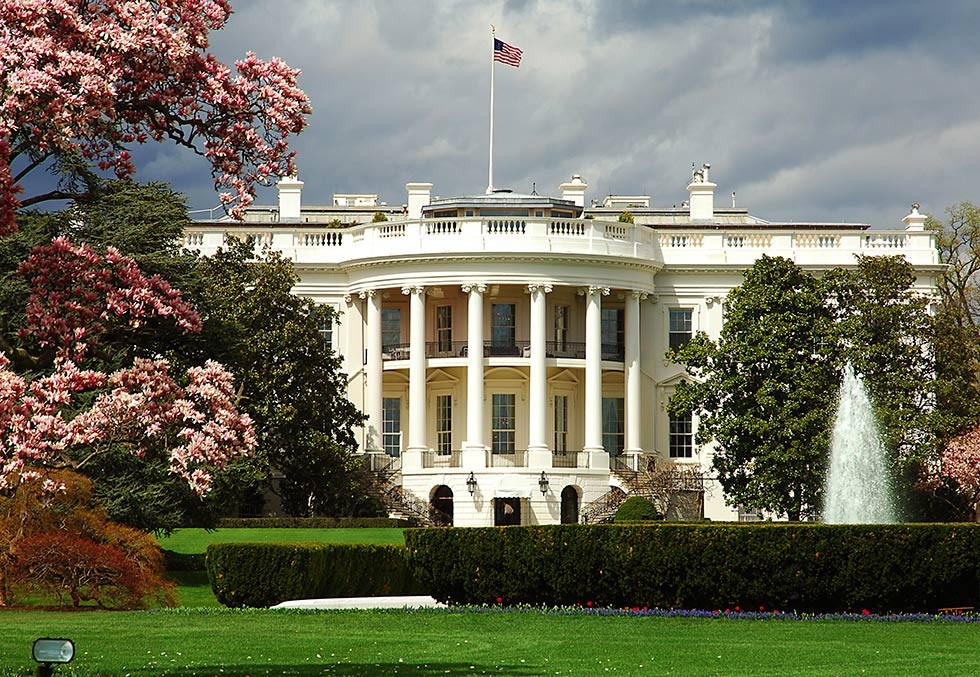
53	195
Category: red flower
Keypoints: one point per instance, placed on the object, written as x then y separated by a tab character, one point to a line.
738	608
589	603
762	608
865	612
500	600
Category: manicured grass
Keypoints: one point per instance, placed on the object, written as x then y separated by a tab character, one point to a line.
193	589
200	642
190	541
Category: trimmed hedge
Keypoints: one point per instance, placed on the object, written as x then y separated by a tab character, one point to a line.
637	509
264	574
807	568
310	523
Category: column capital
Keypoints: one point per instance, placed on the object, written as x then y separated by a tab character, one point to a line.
712	300
535	286
593	289
367	293
413	289
473	286
637	294
348	299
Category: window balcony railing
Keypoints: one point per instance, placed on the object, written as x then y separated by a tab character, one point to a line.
434	459
514	459
569	459
574	350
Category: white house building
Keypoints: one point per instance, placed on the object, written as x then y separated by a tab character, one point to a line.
508	349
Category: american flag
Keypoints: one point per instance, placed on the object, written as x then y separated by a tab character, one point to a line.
507	54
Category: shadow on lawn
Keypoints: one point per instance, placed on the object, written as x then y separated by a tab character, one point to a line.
357	669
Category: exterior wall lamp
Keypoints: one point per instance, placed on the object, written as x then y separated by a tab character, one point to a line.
471	484
543	483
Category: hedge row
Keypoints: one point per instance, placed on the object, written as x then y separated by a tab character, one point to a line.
264	574
807	568
309	523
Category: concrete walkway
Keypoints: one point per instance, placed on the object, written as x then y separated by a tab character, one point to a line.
399	602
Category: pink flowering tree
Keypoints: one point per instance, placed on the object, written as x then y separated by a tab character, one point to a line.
84	80
959	463
195	427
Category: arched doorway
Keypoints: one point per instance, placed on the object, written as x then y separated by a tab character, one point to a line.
442	500
569	505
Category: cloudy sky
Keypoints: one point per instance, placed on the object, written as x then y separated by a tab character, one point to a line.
823	110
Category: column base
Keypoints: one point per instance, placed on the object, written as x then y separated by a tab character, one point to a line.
598	459
473	457
539	457
412	459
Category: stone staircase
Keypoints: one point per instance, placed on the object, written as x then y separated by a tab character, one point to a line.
646	476
382	479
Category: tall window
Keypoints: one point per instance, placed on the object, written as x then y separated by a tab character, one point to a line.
325	322
503	329
681	437
613	437
613	333
680	327
561	328
561	424
391	327
503	424
444	423
444	328
391	425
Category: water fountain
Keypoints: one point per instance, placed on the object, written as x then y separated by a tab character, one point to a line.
858	489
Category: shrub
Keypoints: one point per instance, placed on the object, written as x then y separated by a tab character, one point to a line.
310	523
264	574
379	217
626	217
807	568
61	563
637	509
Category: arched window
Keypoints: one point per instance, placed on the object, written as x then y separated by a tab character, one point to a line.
569	505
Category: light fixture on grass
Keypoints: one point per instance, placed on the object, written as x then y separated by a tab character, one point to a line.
47	651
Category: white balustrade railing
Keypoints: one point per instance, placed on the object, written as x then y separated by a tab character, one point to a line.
678	246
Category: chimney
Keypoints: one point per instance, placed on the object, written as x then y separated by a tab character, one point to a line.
419	196
702	193
574	190
914	221
290	190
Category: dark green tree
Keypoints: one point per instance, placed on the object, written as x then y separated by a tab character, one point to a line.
764	393
292	381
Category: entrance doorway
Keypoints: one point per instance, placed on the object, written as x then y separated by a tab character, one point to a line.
506	512
442	500
569	505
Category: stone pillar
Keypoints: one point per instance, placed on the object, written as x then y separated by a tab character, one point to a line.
632	370
374	367
474	448
598	458
416	377
538	449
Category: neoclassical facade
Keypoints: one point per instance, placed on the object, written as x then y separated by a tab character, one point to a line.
508	350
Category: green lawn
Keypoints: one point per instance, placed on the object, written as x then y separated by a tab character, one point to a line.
202	642
189	541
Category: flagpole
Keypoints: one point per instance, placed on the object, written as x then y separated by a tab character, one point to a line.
493	32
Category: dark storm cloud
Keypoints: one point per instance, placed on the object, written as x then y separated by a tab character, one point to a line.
819	110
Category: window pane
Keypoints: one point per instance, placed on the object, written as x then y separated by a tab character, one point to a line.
681	327
503	423
444	424
613	436
561	423
561	327
391	425
502	330
444	328
391	327
681	437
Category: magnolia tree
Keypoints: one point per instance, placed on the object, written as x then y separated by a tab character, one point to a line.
84	80
959	463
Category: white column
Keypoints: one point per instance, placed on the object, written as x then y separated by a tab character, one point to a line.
474	448
632	369
372	343
416	377
598	458
538	451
